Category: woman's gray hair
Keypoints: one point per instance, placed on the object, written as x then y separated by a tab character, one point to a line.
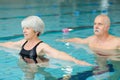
34	22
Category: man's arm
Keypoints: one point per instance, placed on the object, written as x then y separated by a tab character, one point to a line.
76	40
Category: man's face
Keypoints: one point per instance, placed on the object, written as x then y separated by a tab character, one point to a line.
100	27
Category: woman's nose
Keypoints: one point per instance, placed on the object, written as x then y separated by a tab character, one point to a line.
24	30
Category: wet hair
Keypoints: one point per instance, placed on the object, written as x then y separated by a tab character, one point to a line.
106	18
34	22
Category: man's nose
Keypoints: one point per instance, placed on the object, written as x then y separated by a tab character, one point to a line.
96	26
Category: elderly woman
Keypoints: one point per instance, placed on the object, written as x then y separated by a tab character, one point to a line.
32	48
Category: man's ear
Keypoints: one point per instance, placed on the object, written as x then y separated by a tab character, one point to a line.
108	27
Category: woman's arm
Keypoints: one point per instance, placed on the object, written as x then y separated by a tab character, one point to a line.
118	47
13	45
61	55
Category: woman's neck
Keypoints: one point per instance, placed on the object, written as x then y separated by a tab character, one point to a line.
33	40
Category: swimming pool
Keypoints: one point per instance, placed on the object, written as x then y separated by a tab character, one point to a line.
57	14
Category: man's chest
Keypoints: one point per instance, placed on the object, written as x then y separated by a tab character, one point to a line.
103	45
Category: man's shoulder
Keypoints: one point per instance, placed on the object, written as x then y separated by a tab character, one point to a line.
115	37
115	40
91	37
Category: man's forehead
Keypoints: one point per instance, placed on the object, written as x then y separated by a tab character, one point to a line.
99	20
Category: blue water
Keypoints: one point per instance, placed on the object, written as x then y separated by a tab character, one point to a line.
57	14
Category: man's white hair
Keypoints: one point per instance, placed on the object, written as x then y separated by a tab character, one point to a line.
34	22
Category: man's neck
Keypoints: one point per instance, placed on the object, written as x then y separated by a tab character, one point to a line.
103	37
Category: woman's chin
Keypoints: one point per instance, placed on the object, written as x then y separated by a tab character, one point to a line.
26	38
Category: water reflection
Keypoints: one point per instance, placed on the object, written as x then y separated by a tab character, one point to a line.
105	57
115	60
30	70
104	6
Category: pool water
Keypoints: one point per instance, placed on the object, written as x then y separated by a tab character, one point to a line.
10	69
57	15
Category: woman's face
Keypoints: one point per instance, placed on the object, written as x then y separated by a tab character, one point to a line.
29	33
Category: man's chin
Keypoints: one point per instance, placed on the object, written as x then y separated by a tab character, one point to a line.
97	34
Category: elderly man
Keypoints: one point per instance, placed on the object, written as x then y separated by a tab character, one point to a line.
102	43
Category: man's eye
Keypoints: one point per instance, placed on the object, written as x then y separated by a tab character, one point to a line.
100	24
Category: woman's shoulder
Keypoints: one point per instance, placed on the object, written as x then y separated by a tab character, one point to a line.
43	44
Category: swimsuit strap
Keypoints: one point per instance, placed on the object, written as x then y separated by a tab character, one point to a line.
24	44
38	44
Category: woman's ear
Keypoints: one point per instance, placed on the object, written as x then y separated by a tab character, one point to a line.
37	33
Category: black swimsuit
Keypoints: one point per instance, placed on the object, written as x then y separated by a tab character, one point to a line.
29	54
